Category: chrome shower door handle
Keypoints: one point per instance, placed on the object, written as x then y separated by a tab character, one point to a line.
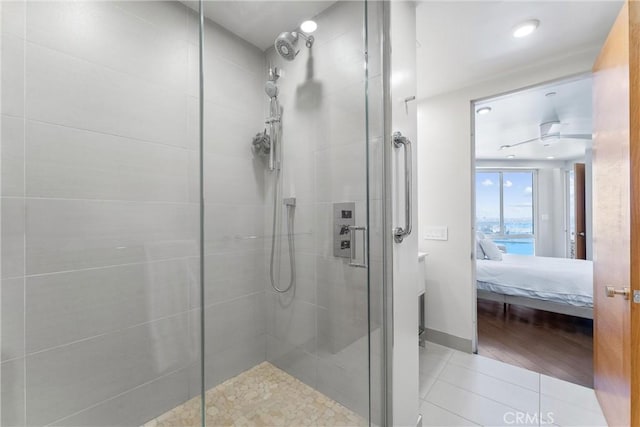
352	244
399	233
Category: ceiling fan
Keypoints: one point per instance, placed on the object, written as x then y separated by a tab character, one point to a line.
549	132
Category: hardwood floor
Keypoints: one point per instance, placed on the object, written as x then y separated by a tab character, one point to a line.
553	344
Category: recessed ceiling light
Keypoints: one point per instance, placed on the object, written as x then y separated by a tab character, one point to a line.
308	27
550	157
525	28
483	110
550	94
511	156
504	147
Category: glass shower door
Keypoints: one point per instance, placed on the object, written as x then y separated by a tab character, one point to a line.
287	213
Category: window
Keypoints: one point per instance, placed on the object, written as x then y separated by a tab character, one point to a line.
504	209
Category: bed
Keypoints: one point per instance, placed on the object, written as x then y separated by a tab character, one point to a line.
560	285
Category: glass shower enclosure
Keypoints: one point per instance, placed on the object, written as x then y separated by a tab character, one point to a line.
191	213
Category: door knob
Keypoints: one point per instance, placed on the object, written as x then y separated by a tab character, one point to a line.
581	234
611	292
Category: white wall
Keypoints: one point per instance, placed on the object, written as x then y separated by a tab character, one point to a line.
445	190
551	213
405	254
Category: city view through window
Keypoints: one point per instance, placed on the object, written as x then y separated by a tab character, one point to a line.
504	209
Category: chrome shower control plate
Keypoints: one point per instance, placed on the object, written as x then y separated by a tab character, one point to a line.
344	216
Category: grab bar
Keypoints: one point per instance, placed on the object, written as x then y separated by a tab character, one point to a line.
352	244
400	233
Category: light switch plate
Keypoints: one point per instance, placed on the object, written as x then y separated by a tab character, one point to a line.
436	233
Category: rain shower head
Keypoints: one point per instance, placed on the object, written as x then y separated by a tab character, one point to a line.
286	44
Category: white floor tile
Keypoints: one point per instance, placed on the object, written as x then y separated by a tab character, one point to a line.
433	348
565	414
471	406
426	381
432	364
509	394
434	416
513	374
568	392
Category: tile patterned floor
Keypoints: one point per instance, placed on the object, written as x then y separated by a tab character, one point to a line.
460	389
262	396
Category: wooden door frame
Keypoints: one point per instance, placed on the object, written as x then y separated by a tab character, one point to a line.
580	211
617	376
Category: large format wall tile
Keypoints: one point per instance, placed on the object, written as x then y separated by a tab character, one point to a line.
68	91
12	393
12	319
233	180
167	15
70	378
229	132
234	323
66	307
12	78
232	361
13	18
12	156
341	173
63	162
221	43
292	321
293	359
101	33
230	85
232	228
74	234
12	235
137	406
229	275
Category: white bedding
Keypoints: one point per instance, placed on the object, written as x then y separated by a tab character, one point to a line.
563	280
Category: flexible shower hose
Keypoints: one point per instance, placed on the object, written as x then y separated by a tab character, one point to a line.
290	239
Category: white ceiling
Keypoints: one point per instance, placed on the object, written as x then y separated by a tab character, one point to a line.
516	117
461	43
260	22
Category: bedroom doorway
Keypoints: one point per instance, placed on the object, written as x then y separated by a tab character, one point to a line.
532	210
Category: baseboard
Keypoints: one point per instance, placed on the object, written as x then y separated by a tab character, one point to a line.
448	340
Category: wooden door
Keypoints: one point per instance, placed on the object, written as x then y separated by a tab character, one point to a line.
616	228
580	214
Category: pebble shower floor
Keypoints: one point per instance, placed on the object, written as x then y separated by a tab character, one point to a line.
262	396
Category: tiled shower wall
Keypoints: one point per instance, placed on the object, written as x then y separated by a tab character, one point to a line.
235	275
100	210
319	332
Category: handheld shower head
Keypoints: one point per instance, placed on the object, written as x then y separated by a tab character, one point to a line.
286	42
271	89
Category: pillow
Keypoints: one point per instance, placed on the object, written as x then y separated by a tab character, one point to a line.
479	251
490	250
